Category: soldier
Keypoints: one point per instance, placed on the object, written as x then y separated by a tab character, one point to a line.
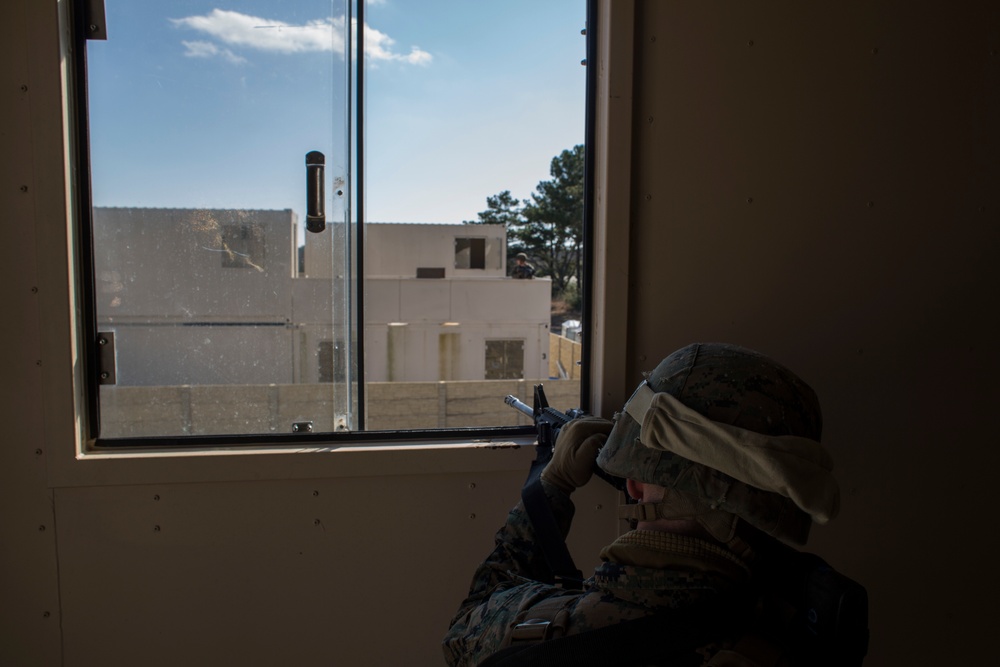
720	449
522	269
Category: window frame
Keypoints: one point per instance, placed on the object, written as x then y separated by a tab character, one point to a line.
82	201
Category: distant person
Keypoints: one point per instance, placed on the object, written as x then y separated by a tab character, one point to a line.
522	270
720	449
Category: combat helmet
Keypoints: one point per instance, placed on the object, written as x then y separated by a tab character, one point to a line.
732	435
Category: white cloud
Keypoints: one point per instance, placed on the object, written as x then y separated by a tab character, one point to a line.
378	46
253	32
208	50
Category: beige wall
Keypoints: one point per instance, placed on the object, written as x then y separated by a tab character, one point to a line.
399	249
864	261
819	182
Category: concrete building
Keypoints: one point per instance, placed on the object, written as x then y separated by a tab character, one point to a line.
218	297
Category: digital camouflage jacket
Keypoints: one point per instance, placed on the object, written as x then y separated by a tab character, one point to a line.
643	572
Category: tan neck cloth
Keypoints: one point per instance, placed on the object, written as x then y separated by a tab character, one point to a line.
794	467
660	550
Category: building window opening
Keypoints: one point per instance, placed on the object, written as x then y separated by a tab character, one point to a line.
470	253
504	359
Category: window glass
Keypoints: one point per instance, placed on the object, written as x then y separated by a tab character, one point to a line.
228	316
504	359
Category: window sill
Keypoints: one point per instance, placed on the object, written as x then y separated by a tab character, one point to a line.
101	467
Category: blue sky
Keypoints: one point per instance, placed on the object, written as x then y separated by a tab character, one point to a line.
214	104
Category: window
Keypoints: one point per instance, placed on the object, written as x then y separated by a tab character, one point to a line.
470	253
504	359
291	247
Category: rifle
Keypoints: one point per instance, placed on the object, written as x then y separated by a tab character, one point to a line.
548	422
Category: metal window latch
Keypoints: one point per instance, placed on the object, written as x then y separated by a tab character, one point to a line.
106	358
315	192
94	21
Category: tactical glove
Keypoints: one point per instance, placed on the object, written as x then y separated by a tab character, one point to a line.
575	453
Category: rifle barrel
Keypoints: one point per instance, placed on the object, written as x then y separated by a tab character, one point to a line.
520	406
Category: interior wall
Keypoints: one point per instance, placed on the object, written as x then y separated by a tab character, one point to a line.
818	181
313	555
825	195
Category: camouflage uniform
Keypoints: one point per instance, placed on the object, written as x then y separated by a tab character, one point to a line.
718	403
505	591
522	271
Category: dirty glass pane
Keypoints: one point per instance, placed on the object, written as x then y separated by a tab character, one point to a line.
221	313
470	100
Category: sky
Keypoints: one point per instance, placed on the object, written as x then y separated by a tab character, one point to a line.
197	104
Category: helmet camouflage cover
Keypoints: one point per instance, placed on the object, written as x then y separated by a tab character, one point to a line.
729	385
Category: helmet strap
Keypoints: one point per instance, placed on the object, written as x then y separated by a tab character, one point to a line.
720	524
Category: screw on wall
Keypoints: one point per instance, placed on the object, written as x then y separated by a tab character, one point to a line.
23	188
24	88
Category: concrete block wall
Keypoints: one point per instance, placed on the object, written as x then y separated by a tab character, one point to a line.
564	357
132	412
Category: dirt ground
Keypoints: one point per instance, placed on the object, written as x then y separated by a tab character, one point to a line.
561	312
